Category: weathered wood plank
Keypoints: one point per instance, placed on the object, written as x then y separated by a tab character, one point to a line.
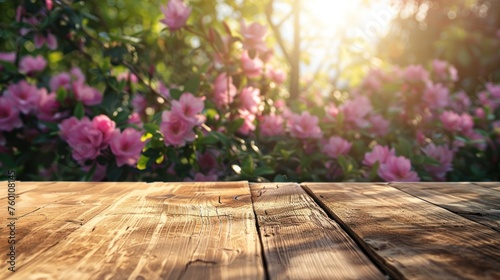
301	242
410	237
465	199
153	231
491	185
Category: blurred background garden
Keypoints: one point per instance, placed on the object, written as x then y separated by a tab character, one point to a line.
271	90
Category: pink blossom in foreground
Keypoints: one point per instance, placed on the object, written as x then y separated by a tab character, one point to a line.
397	169
84	139
253	36
304	126
251	67
87	94
9	115
271	125
336	146
460	102
49	40
8	56
250	99
444	71
277	75
436	96
106	126
66	126
61	80
207	161
30	64
176	129
176	14
25	96
48	107
190	108
456	123
355	111
126	146
415	74
135	118
224	90
444	156
379	153
379	125
248	119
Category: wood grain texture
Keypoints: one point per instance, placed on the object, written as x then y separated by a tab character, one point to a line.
141	231
490	185
413	239
465	199
301	242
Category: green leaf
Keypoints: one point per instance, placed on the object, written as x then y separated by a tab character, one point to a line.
403	148
151	128
116	54
7	161
208	140
263	170
79	111
114	172
280	178
192	85
51	126
142	162
247	166
235	125
427	160
89	174
61	94
374	172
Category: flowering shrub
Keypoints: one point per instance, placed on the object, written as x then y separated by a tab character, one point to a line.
225	116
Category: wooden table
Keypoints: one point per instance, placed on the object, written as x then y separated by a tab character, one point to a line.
236	230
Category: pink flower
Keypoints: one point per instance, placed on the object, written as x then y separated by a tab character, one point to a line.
127	76
397	169
415	74
176	129
190	108
49	40
208	161
457	123
66	126
135	118
355	111
84	139
48	107
224	90
99	173
444	156
163	90
277	75
379	153
436	96
250	99
8	56
248	119
336	146
61	80
332	111
253	36
304	126
24	96
30	64
49	4
251	67
494	90
127	146
461	102
106	126
9	115
271	125
139	103
176	14
444	71
379	125
86	94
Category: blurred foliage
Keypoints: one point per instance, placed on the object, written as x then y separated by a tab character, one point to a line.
462	32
